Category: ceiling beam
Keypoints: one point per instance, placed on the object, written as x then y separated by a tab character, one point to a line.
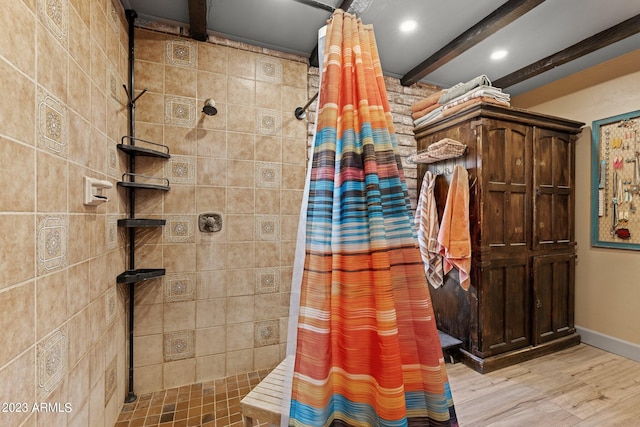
313	58
499	18
602	39
198	20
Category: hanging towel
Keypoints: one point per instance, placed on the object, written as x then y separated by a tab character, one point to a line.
454	237
426	219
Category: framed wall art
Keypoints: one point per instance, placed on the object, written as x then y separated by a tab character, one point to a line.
615	182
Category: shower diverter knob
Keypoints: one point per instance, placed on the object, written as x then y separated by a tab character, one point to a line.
210	222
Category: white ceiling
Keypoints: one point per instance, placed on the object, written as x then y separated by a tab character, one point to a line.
291	26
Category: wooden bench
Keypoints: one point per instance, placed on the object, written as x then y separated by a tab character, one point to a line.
264	402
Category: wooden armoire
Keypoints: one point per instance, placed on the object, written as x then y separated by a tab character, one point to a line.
520	304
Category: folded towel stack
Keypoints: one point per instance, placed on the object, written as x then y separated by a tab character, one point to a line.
456	98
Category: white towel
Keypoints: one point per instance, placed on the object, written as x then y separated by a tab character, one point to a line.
426	220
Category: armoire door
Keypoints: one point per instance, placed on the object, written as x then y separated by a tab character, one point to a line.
504	318
553	175
553	296
506	168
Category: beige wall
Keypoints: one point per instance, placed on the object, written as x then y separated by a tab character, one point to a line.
62	323
607	280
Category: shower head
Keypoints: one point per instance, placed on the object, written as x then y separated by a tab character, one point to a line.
209	107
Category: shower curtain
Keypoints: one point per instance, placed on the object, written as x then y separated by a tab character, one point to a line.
365	349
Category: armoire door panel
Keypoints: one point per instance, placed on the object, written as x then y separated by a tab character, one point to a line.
553	282
505	300
507	147
553	183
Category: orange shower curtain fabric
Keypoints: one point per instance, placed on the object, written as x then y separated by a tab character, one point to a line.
368	352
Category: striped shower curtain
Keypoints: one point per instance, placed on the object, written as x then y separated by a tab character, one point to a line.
367	350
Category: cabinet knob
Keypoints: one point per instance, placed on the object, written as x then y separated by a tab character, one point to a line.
538	191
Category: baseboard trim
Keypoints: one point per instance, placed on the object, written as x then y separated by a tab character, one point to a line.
613	345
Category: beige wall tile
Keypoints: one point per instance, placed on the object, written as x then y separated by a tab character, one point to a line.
18	303
211	171
241	63
178	373
212	85
211	367
20	373
18	121
269	149
179	316
212	143
240	309
180	81
180	257
80	338
17	242
149	319
20	172
210	312
210	341
239	361
51	307
212	58
150	45
18	40
266	357
211	284
180	140
79	383
241	282
79	40
210	256
240	200
148	378
51	183
148	350
149	75
52	64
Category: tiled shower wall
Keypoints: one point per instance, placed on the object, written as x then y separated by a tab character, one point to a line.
62	323
221	309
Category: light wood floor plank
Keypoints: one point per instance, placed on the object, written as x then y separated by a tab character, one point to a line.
581	386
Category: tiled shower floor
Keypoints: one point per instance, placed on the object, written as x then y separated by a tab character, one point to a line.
210	404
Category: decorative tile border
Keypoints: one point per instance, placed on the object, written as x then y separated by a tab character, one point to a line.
267	227
111	231
54	14
111	305
267	280
266	333
267	175
180	111
179	345
182	53
51	362
269	69
179	229
268	122
51	243
180	170
114	85
110	380
179	287
52	123
112	160
113	16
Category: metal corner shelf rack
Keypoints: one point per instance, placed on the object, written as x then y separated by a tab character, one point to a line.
135	147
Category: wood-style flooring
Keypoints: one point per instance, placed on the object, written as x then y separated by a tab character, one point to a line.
580	386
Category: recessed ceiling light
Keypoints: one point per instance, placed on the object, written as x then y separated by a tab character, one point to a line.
408	25
499	54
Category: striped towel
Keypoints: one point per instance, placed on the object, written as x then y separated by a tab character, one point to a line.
426	219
